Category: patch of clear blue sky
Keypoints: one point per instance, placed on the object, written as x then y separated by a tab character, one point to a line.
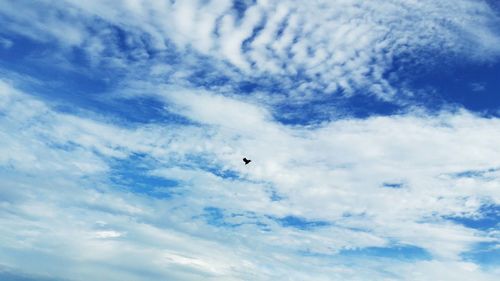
133	175
216	217
275	196
488	218
474	173
400	252
220	172
240	6
301	223
484	254
223	218
47	62
406	253
450	81
219	217
395	185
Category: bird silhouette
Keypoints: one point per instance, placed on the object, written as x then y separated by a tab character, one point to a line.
246	161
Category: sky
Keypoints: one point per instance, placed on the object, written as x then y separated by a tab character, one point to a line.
373	128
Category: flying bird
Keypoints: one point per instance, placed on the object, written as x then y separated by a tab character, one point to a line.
246	161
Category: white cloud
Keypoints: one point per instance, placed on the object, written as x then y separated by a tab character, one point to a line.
106	234
331	173
333	44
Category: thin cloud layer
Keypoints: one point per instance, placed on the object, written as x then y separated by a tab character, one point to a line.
329	181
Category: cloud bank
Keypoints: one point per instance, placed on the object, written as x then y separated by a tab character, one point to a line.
313	195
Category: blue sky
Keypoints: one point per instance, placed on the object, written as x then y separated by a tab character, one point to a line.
372	126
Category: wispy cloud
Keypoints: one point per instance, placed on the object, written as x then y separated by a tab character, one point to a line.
312	48
477	87
5	43
333	200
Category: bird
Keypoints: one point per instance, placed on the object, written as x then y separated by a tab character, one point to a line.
246	161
